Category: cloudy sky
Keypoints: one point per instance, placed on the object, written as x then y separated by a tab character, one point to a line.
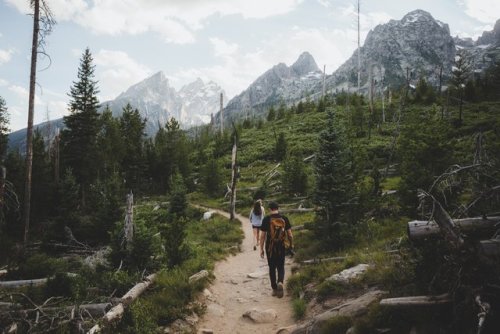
230	42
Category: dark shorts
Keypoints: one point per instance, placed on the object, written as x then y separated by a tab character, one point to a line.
257	227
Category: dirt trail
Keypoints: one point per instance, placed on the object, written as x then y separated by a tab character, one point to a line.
234	292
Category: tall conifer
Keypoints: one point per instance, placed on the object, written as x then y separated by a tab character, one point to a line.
78	139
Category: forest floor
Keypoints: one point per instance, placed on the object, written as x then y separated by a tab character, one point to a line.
242	284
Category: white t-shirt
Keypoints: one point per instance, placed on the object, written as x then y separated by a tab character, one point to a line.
255	219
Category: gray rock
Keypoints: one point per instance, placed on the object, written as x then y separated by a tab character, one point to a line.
257	274
216	310
261	316
347	275
199	275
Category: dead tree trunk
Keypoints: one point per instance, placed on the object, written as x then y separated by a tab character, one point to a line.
417	301
116	312
29	129
444	221
128	229
420	229
234	177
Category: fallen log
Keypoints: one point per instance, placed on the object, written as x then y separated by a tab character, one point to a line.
116	312
94	310
328	259
23	283
338	258
26	282
490	248
417	301
478	226
299	210
447	226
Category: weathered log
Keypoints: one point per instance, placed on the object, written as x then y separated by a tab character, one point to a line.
116	312
328	259
490	248
417	301
477	226
299	210
447	226
338	258
23	283
26	282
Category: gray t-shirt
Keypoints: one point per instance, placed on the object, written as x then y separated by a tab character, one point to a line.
256	220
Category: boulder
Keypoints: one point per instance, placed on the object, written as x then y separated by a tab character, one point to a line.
207	215
347	275
199	275
261	316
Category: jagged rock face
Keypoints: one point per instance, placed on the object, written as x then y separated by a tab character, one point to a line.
483	52
417	42
490	37
157	101
280	83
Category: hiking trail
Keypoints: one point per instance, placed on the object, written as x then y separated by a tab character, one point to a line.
242	284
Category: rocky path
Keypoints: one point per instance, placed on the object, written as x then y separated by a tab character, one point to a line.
242	286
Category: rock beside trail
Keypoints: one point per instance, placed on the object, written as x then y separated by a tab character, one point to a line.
199	275
351	308
261	316
257	274
347	275
215	310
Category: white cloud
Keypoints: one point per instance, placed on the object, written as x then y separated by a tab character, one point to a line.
175	21
223	48
3	82
324	3
117	71
486	11
21	92
237	69
5	56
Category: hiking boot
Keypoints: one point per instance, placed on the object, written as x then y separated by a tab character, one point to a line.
279	290
275	293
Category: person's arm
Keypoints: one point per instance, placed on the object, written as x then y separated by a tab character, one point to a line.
261	243
290	237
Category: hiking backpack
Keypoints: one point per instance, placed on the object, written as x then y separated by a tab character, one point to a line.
278	239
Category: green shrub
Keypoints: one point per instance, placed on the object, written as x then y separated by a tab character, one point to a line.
336	325
329	288
299	308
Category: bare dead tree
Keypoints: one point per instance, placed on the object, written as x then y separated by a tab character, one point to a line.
42	16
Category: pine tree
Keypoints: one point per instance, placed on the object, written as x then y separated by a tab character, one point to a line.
281	147
211	177
132	132
294	178
271	115
78	139
110	144
334	185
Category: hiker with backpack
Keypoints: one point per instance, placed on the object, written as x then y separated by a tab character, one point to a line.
256	216
277	234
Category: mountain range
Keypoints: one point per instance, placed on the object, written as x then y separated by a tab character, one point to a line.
415	46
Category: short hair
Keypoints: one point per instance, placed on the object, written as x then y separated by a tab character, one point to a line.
273	205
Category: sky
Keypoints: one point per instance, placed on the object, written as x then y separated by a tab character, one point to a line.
231	42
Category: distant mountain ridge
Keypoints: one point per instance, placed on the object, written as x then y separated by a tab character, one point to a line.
157	101
280	83
417	45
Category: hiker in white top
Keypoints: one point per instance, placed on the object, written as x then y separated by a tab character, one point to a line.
256	215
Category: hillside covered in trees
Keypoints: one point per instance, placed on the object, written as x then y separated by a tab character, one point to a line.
352	170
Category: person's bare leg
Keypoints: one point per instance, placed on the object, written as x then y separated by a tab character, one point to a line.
256	237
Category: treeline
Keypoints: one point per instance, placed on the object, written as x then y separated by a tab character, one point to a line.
82	174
